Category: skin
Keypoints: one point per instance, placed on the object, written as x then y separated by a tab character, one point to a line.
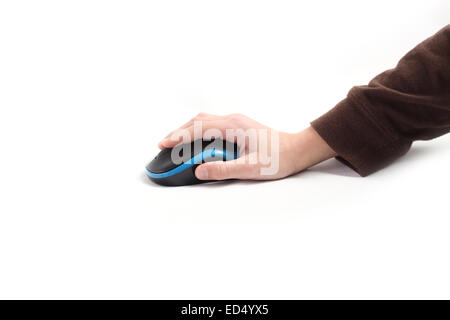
297	151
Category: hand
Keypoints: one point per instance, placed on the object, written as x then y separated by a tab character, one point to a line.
295	152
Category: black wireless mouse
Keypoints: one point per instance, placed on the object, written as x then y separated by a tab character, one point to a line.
176	166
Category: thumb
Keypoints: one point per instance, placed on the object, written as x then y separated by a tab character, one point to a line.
221	170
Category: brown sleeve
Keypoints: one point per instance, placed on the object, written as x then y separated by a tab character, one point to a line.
377	123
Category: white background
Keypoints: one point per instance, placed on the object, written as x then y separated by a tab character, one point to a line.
88	88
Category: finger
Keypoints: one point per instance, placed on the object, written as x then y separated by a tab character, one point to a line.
200	117
221	170
214	129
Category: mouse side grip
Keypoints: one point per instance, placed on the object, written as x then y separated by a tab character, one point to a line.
185	177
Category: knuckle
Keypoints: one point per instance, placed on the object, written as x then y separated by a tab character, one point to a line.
221	172
218	171
235	117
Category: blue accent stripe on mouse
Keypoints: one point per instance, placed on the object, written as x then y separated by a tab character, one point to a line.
176	166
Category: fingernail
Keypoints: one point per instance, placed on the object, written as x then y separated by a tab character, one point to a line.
202	173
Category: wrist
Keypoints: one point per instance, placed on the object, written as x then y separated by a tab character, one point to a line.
309	149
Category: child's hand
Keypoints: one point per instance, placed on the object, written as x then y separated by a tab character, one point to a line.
289	153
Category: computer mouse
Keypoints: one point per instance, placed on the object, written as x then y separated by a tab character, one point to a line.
176	166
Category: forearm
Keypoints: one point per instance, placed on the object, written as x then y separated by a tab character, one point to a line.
377	123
